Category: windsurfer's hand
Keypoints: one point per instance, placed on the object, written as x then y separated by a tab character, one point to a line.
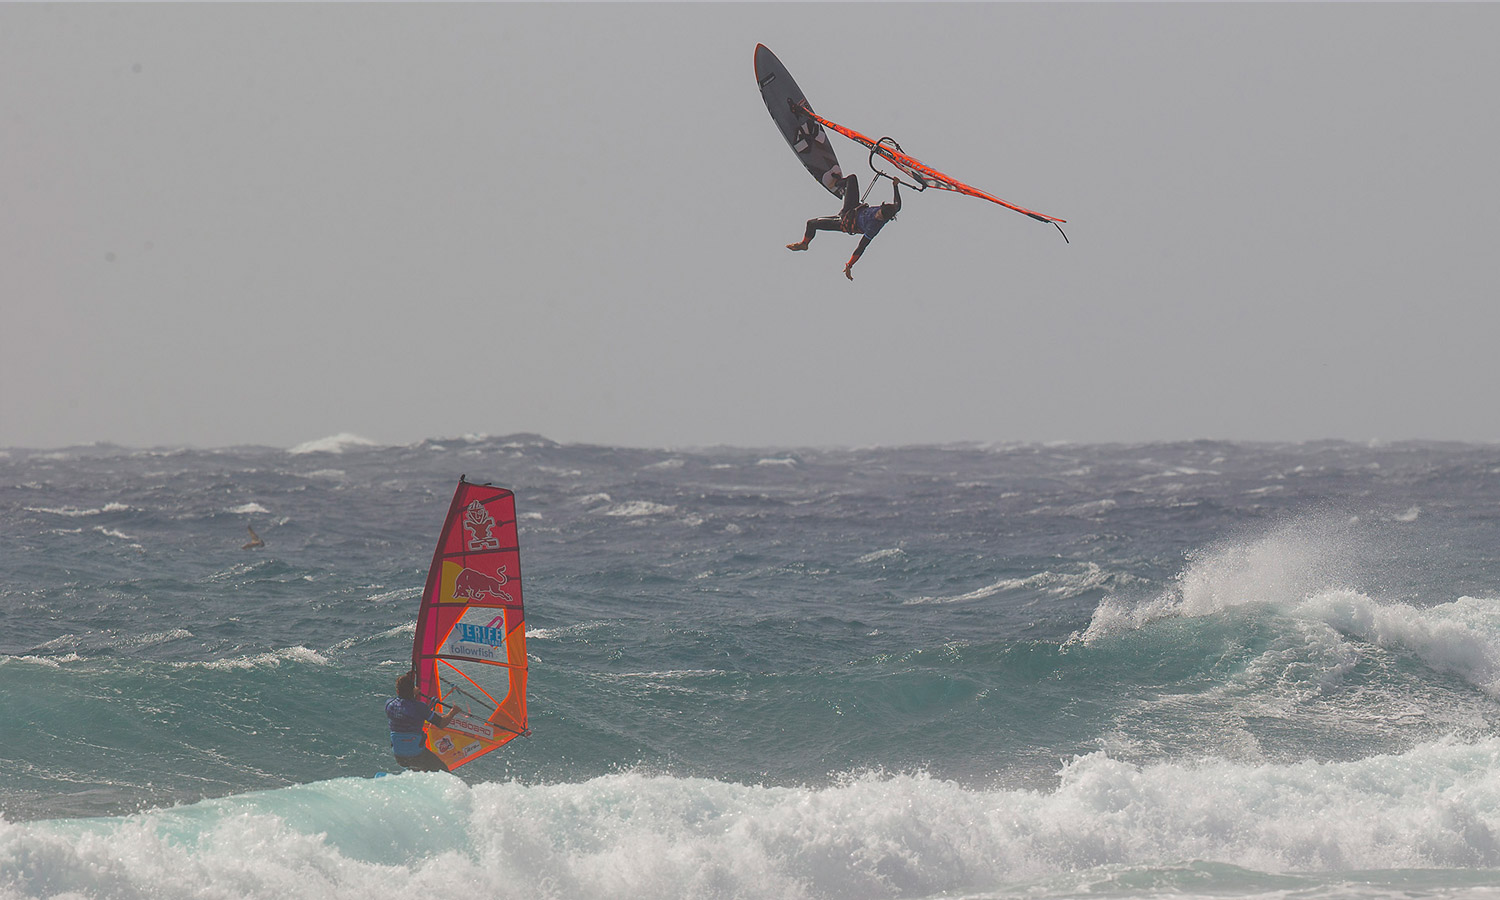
849	271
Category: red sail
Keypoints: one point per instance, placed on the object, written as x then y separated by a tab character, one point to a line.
470	647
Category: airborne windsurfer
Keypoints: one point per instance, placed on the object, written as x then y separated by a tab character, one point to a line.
855	218
406	714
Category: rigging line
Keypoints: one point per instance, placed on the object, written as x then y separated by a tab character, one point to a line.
453	688
875	151
445	657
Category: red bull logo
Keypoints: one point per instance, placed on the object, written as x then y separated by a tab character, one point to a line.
480	525
476	586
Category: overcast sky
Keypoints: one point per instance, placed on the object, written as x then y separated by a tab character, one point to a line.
266	224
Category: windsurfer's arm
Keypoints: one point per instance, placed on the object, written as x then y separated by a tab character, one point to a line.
441	720
858	250
896	194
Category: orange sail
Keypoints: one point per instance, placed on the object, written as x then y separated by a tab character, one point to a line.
924	175
470	647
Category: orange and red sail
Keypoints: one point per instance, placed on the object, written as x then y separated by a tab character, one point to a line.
470	647
924	175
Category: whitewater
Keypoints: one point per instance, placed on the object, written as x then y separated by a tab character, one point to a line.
1200	669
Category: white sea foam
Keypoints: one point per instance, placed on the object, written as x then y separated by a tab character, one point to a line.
62	640
234	571
74	512
777	461
635	836
981	593
154	638
249	508
1054	584
272	659
1091	509
334	474
667	673
337	443
547	634
635	508
394	631
53	662
406	593
888	553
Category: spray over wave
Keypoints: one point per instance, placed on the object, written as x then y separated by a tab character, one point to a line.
1309	571
1281	569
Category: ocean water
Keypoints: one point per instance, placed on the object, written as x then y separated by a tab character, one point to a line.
1170	670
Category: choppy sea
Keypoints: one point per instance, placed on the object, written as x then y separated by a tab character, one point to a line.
1163	670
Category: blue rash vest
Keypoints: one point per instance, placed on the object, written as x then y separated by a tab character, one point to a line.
406	717
866	224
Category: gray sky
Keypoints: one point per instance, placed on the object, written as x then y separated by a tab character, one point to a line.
231	224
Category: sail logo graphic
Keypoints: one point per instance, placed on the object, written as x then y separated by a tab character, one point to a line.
479	641
480	524
483	634
472	729
475	586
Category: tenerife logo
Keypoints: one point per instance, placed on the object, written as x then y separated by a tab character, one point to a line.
475	586
492	634
479	523
480	641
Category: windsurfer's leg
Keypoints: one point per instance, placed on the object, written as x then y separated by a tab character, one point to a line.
851	193
822	223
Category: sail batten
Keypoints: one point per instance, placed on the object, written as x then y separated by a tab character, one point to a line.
469	651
